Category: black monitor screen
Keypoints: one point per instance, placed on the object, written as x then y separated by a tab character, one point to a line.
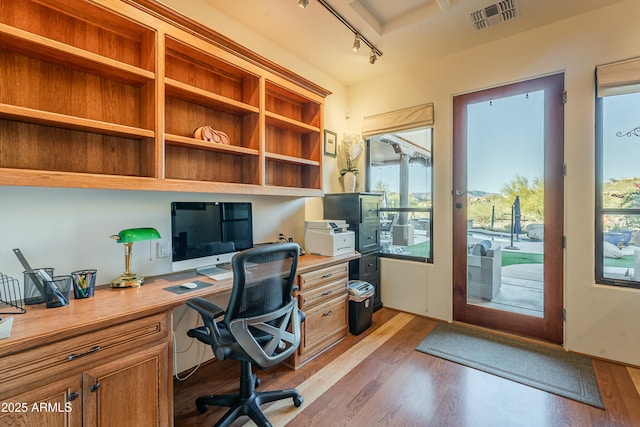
202	229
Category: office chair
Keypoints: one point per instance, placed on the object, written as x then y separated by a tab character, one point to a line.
261	326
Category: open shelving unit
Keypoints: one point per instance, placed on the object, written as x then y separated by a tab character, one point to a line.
103	94
293	142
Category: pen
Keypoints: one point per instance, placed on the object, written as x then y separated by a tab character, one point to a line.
80	280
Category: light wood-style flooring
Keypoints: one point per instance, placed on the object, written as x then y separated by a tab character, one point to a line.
379	379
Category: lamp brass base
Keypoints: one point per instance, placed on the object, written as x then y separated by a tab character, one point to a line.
127	281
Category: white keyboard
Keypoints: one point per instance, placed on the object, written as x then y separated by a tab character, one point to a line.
216	273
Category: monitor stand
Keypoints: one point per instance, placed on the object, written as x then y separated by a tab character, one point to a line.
216	272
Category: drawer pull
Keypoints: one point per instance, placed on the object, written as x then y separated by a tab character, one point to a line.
328	313
94	387
324	294
75	356
72	396
327	275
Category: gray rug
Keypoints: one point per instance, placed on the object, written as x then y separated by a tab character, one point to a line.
553	370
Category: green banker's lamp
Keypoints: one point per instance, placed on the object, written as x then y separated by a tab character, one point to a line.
127	237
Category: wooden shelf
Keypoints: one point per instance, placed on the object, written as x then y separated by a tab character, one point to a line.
290	159
289	124
174	88
55	52
63	121
182	141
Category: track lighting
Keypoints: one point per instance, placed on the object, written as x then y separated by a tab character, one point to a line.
356	43
375	52
373	57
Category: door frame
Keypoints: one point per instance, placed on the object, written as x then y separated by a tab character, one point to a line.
551	326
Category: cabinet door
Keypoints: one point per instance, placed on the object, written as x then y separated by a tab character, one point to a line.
323	326
57	404
131	391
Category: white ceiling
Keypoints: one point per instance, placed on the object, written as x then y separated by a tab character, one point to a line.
406	31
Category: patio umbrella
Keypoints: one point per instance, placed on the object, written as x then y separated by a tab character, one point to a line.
516	227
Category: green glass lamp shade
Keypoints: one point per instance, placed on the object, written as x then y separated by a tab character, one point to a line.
129	279
137	234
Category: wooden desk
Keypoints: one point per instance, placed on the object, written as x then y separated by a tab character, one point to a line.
106	359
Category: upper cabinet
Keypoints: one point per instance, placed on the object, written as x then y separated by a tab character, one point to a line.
105	94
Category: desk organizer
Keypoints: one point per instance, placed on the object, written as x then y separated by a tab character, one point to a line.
10	298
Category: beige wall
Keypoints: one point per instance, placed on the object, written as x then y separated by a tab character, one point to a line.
601	321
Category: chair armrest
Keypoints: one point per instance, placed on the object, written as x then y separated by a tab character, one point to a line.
205	307
209	312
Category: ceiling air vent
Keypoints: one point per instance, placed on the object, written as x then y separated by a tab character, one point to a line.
494	14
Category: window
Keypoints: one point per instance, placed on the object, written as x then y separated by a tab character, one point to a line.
618	174
399	165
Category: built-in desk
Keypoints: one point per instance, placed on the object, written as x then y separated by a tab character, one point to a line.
106	359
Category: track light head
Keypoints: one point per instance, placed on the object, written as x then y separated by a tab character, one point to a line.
303	3
373	57
356	43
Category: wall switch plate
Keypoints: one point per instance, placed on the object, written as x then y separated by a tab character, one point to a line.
163	249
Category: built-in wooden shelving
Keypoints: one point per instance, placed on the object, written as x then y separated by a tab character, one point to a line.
100	94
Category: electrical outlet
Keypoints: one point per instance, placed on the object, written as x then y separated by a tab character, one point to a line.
163	249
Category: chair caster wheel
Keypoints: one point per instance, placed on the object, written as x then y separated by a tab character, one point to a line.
297	401
257	382
202	408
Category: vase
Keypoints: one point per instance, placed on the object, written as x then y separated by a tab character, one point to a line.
349	181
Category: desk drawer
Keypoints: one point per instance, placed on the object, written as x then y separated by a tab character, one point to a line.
320	294
369	265
324	325
50	361
369	238
370	209
323	276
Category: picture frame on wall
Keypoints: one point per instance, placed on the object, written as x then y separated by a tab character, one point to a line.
330	142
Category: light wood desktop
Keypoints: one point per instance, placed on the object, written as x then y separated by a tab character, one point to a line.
109	358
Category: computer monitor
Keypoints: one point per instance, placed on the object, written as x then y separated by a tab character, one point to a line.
206	235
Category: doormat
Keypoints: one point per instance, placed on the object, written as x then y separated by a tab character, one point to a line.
553	370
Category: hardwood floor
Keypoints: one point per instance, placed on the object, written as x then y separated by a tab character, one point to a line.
378	378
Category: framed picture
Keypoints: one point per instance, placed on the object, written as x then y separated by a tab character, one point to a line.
330	141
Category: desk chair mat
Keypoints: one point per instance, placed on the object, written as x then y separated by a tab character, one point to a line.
176	289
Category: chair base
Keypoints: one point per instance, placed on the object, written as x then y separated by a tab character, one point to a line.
247	401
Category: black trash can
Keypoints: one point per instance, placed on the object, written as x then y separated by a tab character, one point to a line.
360	306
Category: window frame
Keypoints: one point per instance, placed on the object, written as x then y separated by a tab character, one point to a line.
600	210
429	211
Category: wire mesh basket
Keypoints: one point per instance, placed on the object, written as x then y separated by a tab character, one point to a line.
10	298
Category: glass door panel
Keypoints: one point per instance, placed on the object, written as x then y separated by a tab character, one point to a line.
505	203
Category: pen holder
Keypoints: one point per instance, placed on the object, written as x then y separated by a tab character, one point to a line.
84	282
31	293
57	291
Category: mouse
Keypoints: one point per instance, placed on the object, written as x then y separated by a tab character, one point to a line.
189	285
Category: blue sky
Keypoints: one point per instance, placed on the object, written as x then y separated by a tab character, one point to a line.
505	140
622	154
